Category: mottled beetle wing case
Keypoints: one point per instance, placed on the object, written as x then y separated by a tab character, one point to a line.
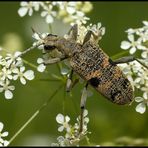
94	66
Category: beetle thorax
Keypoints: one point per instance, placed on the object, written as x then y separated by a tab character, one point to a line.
68	47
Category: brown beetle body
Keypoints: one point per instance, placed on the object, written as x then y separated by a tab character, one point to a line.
93	65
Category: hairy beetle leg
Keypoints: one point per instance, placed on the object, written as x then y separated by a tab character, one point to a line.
82	105
53	60
71	83
129	59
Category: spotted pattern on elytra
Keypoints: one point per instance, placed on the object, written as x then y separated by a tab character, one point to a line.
94	66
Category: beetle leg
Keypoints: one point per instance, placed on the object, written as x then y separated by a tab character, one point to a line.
73	32
129	59
53	60
82	105
70	84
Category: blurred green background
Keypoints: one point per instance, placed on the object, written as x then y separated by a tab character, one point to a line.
107	121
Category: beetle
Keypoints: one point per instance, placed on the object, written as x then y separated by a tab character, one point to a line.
92	64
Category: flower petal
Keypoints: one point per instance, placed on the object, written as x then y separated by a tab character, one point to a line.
60	118
131	37
132	50
141	108
41	68
61	128
6	143
40	60
1	126
8	94
22	11
4	134
138	99
29	74
67	118
23	81
125	45
49	19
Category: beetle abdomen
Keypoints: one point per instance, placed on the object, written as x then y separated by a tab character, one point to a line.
94	66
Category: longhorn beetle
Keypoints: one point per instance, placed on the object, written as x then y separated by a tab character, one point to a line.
93	65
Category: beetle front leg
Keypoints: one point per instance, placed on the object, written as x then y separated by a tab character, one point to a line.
53	60
129	59
82	105
73	32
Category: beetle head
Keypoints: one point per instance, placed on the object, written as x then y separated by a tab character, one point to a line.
50	42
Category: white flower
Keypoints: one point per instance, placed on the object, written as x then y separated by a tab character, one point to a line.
71	7
143	102
97	29
29	74
133	45
63	121
144	53
4	134
27	7
80	18
5	74
4	86
41	67
48	13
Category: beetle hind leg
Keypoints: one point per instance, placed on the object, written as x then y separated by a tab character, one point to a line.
129	59
82	105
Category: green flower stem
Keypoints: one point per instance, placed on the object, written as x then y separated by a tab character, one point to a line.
35	114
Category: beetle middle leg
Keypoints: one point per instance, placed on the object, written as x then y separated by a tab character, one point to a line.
129	59
54	60
70	83
82	105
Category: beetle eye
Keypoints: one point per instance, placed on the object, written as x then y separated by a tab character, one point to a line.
48	47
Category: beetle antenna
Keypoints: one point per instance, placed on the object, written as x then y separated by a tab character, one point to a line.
34	31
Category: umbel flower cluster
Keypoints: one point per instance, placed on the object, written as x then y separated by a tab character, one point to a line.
68	12
137	45
72	133
12	68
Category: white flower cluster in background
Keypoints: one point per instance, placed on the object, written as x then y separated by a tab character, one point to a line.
72	134
3	135
137	44
51	10
12	68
